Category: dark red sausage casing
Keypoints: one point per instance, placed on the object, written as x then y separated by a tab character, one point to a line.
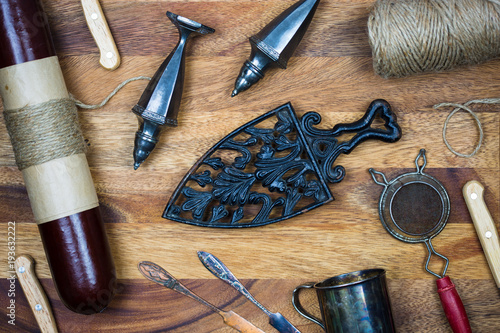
61	191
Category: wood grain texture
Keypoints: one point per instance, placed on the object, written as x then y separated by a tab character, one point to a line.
331	73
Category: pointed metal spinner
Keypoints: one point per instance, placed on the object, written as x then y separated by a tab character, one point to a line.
275	44
159	104
272	168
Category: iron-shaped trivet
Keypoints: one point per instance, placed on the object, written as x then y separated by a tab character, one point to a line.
272	168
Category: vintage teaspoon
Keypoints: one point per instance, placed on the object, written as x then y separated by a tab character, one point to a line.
217	268
157	274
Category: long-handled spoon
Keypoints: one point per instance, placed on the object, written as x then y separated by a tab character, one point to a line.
157	274
217	268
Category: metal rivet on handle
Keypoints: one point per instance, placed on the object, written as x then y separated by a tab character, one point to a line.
38	307
488	234
473	196
22	269
109	55
94	16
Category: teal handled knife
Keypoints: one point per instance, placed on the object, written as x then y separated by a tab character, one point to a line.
217	268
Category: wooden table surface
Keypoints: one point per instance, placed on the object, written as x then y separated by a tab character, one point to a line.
331	73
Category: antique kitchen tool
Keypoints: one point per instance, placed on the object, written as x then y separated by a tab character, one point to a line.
275	43
272	168
157	274
414	207
485	227
109	58
25	270
159	104
217	268
353	302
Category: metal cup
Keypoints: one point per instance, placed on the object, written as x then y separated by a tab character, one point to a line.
353	302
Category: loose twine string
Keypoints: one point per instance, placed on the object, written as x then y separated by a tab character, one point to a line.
465	107
113	93
47	131
414	36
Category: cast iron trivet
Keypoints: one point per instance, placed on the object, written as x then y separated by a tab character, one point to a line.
272	168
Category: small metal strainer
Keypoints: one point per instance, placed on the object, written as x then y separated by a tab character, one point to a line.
414	207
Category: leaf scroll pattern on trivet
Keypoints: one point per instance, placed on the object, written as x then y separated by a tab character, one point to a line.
268	174
232	187
274	167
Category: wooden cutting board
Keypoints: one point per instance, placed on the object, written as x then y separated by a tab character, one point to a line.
331	73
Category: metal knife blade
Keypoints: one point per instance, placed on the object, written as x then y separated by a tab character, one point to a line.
217	268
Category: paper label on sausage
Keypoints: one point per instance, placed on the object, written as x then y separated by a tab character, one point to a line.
63	186
32	83
60	188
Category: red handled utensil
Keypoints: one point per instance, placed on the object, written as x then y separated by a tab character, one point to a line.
414	208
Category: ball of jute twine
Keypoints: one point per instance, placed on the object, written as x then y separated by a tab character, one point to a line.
414	36
50	130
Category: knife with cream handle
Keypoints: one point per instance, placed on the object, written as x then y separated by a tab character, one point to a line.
110	58
25	269
485	227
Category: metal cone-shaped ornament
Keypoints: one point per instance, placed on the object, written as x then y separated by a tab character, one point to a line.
275	43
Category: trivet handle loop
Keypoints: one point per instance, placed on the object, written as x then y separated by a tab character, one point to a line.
300	309
421	155
431	251
364	131
374	174
453	306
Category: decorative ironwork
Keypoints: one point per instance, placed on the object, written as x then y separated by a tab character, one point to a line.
272	168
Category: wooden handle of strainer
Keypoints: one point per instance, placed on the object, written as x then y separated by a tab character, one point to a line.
485	227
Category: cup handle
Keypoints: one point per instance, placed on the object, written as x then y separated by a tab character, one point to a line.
300	309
